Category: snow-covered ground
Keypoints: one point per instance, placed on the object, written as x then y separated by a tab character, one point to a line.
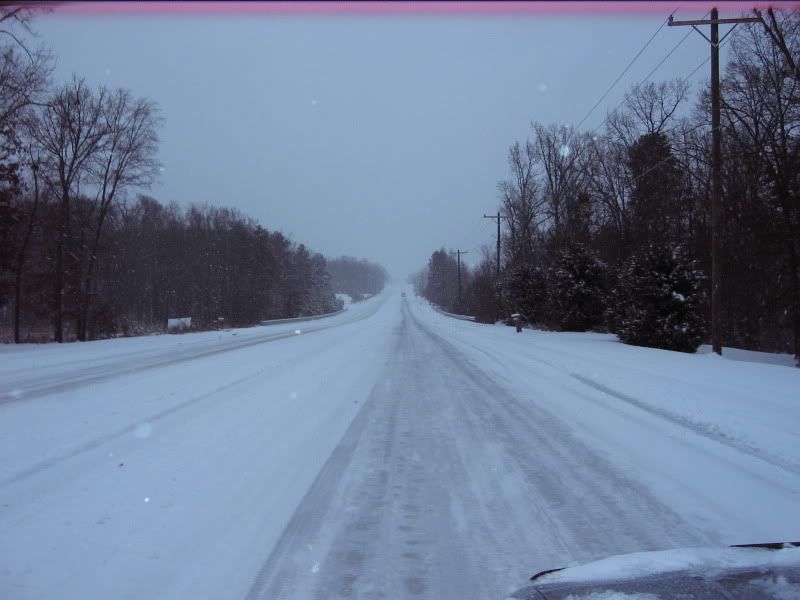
35	369
389	451
171	480
767	358
751	405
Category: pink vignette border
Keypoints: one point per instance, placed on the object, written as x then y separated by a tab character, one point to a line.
392	7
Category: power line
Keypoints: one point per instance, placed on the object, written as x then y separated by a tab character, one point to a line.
663	60
478	240
725	41
625	70
656	68
471	237
674	48
693	129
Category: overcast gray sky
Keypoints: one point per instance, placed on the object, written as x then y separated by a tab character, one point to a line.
380	137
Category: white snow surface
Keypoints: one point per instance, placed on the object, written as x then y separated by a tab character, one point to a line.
753	406
768	358
386	450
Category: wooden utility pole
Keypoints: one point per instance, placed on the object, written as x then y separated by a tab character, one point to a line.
497	272
459	253
716	163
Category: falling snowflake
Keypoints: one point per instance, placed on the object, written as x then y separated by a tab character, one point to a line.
143	430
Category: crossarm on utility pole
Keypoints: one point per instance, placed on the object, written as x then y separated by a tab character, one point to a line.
712	21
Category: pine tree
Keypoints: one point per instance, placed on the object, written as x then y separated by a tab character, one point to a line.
526	288
577	289
658	300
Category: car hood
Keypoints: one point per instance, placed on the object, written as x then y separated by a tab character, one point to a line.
752	572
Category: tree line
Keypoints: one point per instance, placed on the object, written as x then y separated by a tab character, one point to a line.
610	229
358	279
80	259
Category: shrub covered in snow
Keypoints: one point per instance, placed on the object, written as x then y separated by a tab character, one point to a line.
577	284
526	292
658	301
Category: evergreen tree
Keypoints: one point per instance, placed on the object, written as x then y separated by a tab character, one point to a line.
526	288
655	203
442	286
658	300
577	289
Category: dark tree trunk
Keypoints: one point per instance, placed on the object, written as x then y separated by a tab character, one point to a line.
85	313
22	256
63	239
794	276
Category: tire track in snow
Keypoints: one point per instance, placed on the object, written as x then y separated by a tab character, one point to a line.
446	486
694	426
93	444
42	386
128	430
674	418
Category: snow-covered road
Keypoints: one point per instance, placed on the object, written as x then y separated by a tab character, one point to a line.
390	452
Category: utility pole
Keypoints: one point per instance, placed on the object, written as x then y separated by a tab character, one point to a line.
459	253
497	272
716	163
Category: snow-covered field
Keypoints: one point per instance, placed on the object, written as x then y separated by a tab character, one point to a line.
389	451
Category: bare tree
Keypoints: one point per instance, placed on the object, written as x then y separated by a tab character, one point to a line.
126	157
609	183
24	75
783	30
562	159
68	130
761	102
521	202
22	252
647	108
24	70
654	105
